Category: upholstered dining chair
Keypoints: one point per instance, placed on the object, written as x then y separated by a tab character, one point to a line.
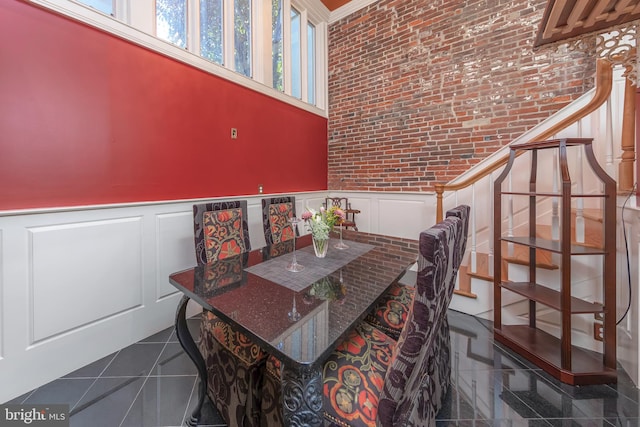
278	232
276	212
344	204
220	230
234	364
371	379
390	313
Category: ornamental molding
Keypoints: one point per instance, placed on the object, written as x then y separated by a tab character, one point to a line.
616	44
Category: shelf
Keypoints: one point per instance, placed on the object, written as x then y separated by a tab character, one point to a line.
552	245
543	349
550	297
552	143
549	194
557	356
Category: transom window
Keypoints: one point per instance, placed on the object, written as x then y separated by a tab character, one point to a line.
104	6
242	36
273	42
212	30
171	21
296	66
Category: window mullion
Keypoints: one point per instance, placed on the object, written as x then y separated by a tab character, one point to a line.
286	45
122	10
193	26
259	40
303	55
229	35
142	15
322	63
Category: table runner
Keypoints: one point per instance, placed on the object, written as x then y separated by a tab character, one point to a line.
314	268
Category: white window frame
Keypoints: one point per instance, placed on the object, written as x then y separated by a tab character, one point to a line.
135	21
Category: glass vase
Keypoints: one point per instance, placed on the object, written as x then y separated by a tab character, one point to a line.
320	247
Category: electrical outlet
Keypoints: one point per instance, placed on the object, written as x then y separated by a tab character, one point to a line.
234	133
598	332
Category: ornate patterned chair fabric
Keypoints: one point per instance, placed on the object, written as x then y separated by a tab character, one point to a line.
219	227
392	310
271	404
344	204
233	376
415	380
234	364
276	212
390	314
402	383
353	377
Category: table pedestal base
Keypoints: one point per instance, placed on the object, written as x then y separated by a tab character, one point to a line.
190	347
302	397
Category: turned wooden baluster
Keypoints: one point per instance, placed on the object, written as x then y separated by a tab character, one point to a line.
625	168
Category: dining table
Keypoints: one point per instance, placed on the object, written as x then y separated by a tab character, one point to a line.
298	317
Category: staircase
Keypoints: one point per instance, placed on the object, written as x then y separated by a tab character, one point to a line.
591	116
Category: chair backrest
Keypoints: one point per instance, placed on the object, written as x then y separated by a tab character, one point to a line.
340	202
276	212
462	212
220	230
222	276
439	258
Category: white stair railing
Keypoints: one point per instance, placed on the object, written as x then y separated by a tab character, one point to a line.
609	166
510	214
555	216
580	190
474	234
569	122
490	255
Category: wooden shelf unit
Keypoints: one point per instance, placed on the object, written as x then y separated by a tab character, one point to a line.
558	356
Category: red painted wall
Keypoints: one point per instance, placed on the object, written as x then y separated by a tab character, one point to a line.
88	118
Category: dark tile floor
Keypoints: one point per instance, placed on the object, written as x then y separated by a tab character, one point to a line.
153	383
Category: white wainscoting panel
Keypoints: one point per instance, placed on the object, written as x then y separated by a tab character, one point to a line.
393	214
1	297
256	231
83	272
402	218
314	203
175	248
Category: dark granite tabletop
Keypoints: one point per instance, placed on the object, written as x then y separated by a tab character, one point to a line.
260	301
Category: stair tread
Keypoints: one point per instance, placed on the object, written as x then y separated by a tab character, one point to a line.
592	229
481	273
521	256
591	213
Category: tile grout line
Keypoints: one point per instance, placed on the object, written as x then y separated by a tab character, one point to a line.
94	382
146	378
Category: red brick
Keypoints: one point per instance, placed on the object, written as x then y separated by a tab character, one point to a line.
416	86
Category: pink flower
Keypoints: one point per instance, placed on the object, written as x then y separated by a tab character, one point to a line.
339	212
306	215
321	209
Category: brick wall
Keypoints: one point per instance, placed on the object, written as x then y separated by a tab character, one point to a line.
419	91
